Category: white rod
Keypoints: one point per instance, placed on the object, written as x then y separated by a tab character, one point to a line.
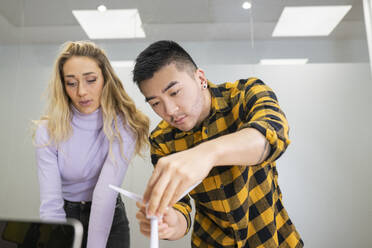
154	238
368	21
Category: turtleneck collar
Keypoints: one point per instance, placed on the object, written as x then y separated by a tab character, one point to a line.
92	121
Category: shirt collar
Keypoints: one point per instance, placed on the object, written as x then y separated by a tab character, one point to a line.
218	101
92	121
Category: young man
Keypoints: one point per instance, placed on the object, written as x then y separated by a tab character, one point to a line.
228	136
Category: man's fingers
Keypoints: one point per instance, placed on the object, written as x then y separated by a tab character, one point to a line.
145	231
141	216
166	233
150	184
162	228
144	223
167	196
140	205
163	231
141	213
157	193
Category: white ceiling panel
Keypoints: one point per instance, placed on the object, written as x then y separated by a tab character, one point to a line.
52	21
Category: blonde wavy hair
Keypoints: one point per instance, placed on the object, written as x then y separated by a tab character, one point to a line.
114	100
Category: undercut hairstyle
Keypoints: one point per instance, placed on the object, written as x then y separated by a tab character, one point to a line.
158	55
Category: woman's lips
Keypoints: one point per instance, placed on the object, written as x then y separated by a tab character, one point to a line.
85	103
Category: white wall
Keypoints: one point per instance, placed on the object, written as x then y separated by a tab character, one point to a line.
324	175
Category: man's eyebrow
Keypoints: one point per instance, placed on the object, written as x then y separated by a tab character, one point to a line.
149	98
170	85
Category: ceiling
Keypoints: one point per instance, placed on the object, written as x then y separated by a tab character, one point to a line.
41	21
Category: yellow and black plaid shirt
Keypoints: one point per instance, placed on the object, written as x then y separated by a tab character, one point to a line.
236	206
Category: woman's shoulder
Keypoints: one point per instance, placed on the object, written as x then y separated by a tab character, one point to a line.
41	126
41	132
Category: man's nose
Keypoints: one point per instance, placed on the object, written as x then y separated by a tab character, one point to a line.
170	108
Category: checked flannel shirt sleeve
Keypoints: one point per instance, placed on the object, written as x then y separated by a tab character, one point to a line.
263	113
183	205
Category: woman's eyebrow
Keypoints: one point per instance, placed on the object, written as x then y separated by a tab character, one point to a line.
88	73
84	74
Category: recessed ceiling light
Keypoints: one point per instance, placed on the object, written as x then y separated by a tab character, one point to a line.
122	63
309	20
283	61
110	24
247	5
101	8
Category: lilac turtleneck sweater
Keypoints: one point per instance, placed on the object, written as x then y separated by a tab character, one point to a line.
80	169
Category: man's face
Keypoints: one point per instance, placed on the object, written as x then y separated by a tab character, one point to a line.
176	96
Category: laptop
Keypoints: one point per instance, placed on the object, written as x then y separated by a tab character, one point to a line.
35	234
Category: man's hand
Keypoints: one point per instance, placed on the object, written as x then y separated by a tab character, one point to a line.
176	173
172	226
173	175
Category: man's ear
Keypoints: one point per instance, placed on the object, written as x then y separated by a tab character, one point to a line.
200	76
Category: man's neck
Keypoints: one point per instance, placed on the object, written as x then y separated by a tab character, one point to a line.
207	104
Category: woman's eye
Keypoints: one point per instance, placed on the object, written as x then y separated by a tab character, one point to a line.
155	104
71	83
91	80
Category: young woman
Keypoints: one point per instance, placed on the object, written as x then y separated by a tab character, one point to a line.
84	142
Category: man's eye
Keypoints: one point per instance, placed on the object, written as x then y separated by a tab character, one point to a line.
175	93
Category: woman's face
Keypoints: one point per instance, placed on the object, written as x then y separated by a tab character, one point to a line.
83	83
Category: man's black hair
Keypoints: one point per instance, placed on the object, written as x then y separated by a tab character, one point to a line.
158	55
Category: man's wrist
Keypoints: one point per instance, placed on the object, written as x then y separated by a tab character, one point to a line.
212	150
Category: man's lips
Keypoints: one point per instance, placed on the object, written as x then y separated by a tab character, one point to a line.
180	119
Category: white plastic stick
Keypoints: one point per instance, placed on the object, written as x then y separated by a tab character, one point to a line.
154	237
131	195
154	240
